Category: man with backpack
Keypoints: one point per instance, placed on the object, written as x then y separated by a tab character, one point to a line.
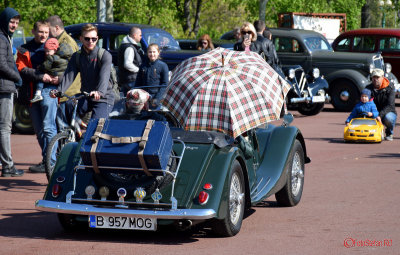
94	64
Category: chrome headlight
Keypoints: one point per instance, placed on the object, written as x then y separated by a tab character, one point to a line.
371	67
292	73
388	67
352	130
372	131
315	73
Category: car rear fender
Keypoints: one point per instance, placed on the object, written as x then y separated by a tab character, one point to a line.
217	173
68	159
355	77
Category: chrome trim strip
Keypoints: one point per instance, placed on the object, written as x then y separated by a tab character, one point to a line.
85	209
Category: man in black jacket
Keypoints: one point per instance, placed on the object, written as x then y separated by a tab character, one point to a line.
9	77
383	93
130	55
269	51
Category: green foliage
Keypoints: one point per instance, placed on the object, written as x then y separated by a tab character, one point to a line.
216	16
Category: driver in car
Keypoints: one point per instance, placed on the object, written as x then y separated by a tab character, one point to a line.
365	108
137	107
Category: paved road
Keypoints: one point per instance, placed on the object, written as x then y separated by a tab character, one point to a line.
350	199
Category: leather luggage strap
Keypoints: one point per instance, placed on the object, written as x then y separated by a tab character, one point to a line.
95	139
128	139
142	145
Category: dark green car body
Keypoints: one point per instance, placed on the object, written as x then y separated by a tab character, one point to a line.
266	163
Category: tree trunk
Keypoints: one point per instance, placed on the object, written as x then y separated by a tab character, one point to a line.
366	15
109	11
183	14
196	25
263	6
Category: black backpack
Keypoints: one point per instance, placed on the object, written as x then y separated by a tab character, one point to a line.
113	72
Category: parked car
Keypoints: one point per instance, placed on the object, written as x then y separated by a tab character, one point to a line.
309	91
383	40
210	179
347	73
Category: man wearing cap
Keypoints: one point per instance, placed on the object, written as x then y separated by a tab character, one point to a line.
9	78
383	94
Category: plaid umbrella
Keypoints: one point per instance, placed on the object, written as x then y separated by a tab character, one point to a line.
224	90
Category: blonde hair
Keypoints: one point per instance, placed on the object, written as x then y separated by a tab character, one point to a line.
88	28
247	26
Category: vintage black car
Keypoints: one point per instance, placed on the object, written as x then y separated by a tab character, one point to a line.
346	73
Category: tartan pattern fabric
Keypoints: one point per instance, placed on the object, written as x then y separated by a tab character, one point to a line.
224	90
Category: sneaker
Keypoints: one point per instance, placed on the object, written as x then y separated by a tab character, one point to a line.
389	138
13	172
36	98
39	168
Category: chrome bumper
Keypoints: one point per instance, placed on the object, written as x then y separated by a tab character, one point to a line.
85	209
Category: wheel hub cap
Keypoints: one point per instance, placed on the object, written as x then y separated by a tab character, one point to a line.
344	95
297	175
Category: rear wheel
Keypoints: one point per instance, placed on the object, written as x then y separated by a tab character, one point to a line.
231	224
55	146
344	95
310	109
290	194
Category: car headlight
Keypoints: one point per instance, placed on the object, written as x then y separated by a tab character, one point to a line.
372	131
388	67
371	67
315	73
292	73
352	130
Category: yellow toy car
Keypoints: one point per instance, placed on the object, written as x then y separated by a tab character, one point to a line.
364	130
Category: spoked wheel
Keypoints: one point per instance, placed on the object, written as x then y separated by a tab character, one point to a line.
290	194
55	146
231	224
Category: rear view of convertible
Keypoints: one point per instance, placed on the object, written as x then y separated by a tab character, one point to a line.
194	167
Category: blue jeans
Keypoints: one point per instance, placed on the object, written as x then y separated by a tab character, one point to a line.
43	115
6	112
389	120
98	109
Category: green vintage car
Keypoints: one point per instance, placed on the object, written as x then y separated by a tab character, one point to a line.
212	179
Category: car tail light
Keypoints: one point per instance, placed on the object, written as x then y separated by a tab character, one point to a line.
203	197
56	190
207	186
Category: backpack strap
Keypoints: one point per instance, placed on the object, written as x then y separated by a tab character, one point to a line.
77	62
100	54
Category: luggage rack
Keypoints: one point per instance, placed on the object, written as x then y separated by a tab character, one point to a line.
173	205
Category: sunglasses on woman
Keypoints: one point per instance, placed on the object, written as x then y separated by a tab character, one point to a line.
247	32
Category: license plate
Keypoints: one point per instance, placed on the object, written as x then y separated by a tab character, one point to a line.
120	222
318	99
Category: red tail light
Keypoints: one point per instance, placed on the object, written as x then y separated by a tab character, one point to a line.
207	186
56	190
203	197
